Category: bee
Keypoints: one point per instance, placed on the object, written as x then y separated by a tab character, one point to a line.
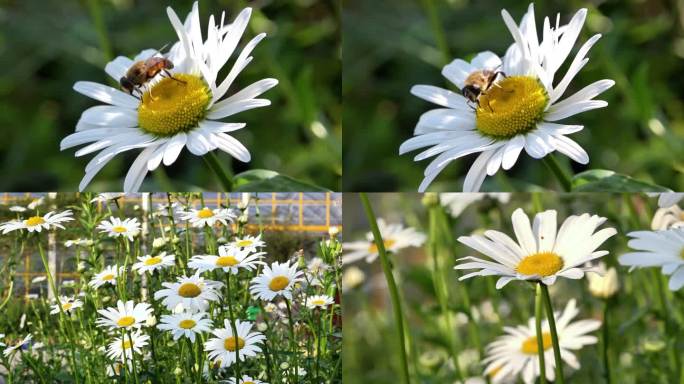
478	83
145	70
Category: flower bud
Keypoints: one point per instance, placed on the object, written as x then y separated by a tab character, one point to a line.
604	286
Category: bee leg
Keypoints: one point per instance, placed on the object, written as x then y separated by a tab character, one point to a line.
171	77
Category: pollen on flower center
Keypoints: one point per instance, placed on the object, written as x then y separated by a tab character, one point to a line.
226	261
126	321
541	264
187	323
67	306
373	248
35	220
232	344
278	283
108	277
511	107
189	290
126	344
244	243
170	106
318	302
205	213
153	260
530	346
119	229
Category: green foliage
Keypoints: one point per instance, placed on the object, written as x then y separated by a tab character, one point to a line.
597	180
390	45
46	46
262	180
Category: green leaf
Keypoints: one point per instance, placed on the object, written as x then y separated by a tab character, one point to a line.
603	180
264	180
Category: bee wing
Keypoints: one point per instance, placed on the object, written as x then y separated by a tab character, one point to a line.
145	54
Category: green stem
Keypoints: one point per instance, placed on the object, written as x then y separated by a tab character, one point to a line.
554	334
437	29
560	174
135	369
293	340
221	173
96	15
394	293
538	315
605	349
232	325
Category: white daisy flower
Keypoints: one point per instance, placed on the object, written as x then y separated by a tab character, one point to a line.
117	368
245	380
666	218
207	216
185	324
542	252
669	199
394	236
519	111
36	203
604	283
456	203
193	293
178	112
125	315
121	349
115	227
663	249
318	301
223	347
106	276
276	279
516	353
17	208
106	197
38	223
249	243
150	264
230	259
12	348
68	305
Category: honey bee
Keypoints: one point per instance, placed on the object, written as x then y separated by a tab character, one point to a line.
143	71
478	83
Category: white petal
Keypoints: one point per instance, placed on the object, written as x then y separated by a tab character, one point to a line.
118	67
512	151
571	149
219	126
439	96
136	174
106	94
107	115
174	147
232	146
237	107
573	109
477	173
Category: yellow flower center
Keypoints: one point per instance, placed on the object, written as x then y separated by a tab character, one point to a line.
278	283
187	323
126	344
108	277
153	260
373	248
119	229
205	213
247	382
126	321
34	221
530	347
244	243
171	106
231	344
681	253
318	302
511	107
541	264
67	306
226	261
189	290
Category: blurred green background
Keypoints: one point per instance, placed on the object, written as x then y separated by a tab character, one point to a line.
48	45
390	45
639	338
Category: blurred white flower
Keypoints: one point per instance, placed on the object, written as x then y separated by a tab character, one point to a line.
395	237
352	277
604	283
666	218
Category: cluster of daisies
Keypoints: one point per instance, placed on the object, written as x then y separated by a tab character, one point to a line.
193	305
541	252
522	107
